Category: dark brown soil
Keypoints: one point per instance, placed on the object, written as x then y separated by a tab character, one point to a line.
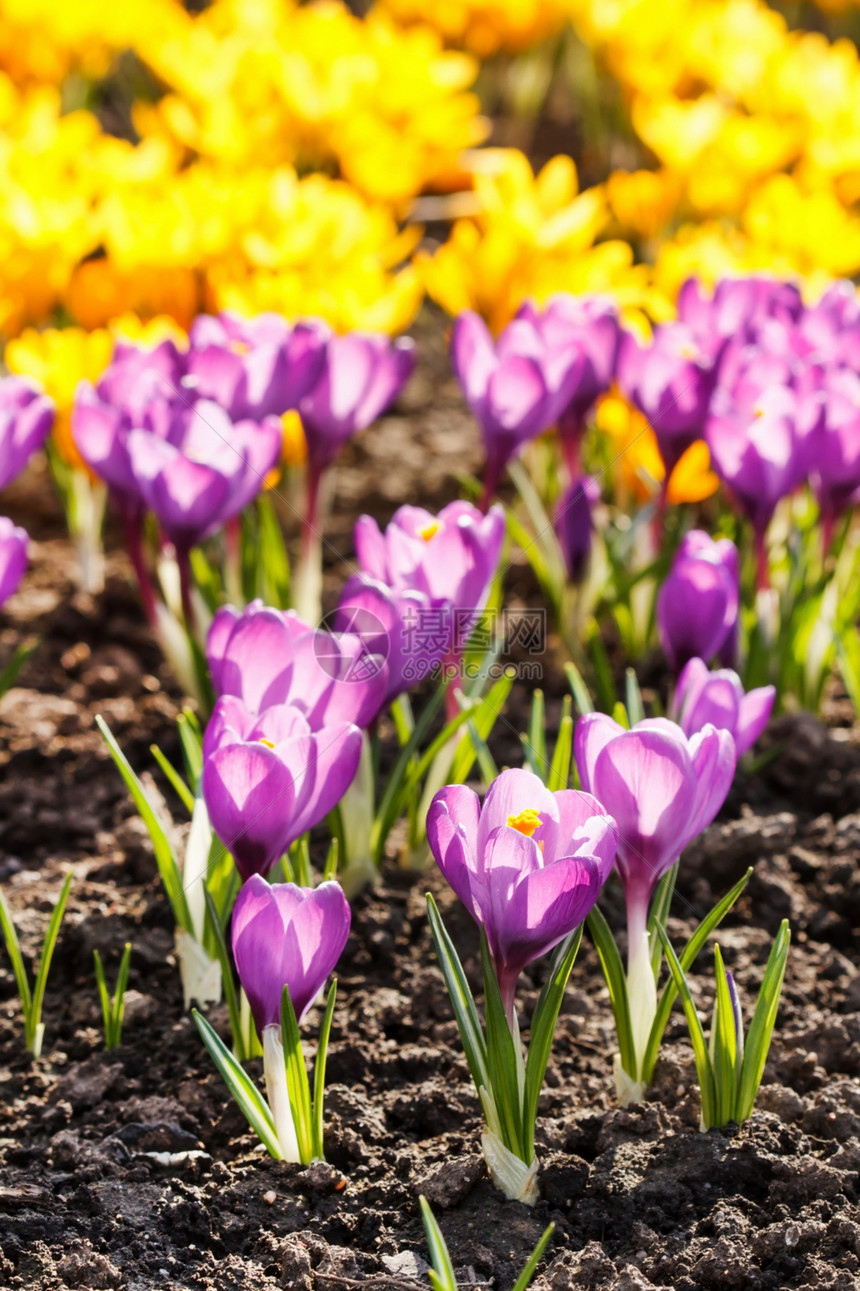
133	1169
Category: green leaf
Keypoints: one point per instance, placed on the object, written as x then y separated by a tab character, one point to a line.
534	743
171	875
659	913
483	718
13	947
104	997
619	713
502	1060
761	1028
118	1002
602	669
442	1277
616	980
468	1022
389	807
691	950
635	707
331	860
181	788
319	1076
579	690
543	1026
272	561
45	962
723	1046
9	674
704	1070
191	739
218	942
298	1087
251	1102
534	1259
404	721
559	772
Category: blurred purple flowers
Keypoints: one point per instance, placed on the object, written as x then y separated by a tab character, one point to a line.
284	935
527	864
13	557
697	605
670	381
360	375
516	387
574	524
26	417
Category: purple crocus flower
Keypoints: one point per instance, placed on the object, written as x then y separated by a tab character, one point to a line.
254	368
206	474
586	326
765	456
424	582
268	778
26	417
836	473
451	557
704	698
831	327
661	788
515	388
13	557
697	605
574	524
360	375
527	864
671	382
738	308
284	935
388	622
268	657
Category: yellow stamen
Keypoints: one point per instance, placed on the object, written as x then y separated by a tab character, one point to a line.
268	743
429	530
526	822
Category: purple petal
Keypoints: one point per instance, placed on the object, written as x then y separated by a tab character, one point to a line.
755	710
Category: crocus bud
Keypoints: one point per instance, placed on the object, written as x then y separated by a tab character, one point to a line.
267	778
670	381
697	606
516	388
574	524
268	657
13	557
284	935
26	417
704	698
360	375
527	864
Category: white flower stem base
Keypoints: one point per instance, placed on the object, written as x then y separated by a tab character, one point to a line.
511	1176
278	1094
201	976
627	1088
